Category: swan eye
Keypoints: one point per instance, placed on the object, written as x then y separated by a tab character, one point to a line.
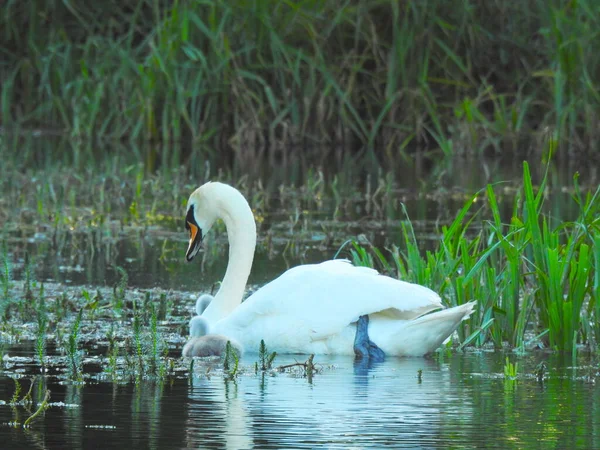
187	225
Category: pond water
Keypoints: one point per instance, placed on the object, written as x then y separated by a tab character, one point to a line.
296	231
458	400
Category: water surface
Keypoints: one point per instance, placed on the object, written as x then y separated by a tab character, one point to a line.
461	401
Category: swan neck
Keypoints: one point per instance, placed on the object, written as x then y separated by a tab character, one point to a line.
241	233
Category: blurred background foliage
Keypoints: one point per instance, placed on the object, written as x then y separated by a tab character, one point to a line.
230	77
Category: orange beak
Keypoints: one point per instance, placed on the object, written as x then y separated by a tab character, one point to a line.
195	240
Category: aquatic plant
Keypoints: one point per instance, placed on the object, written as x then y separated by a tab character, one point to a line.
27	398
91	304
42	322
5	279
29	281
510	369
265	359
60	307
512	269
162	307
138	340
2	348
41	408
541	372
73	351
119	290
308	367
113	353
17	392
157	347
148	345
230	361
594	305
561	264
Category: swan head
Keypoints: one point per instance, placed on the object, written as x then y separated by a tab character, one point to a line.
200	216
198	327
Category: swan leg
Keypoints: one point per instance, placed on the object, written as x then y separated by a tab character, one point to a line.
363	346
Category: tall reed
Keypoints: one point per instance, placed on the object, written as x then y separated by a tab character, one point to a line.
528	275
446	74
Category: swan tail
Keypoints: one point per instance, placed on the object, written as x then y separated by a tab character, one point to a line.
427	333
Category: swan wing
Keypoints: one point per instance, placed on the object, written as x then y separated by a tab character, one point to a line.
322	299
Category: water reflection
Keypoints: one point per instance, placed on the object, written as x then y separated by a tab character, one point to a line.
463	401
217	415
344	406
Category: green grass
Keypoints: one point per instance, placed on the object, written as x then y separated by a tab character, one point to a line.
534	280
457	76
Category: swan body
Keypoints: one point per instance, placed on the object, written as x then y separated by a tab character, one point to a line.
312	308
202	344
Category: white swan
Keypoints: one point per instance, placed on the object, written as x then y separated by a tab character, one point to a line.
202	303
202	344
312	308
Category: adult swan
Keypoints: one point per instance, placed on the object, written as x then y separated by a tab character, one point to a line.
312	308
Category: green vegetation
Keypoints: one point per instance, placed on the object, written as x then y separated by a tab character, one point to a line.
533	278
73	352
455	75
510	369
113	354
230	361
265	359
64	326
42	320
29	279
15	398
26	401
157	348
41	408
119	290
5	280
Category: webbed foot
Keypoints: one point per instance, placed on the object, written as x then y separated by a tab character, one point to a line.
363	346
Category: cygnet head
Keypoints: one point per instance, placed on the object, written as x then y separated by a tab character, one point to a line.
198	326
203	302
207	345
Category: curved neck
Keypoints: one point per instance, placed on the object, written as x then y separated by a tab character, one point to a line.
241	232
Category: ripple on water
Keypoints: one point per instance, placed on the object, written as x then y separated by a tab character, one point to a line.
345	406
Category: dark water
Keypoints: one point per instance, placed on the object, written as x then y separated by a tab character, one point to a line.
462	401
